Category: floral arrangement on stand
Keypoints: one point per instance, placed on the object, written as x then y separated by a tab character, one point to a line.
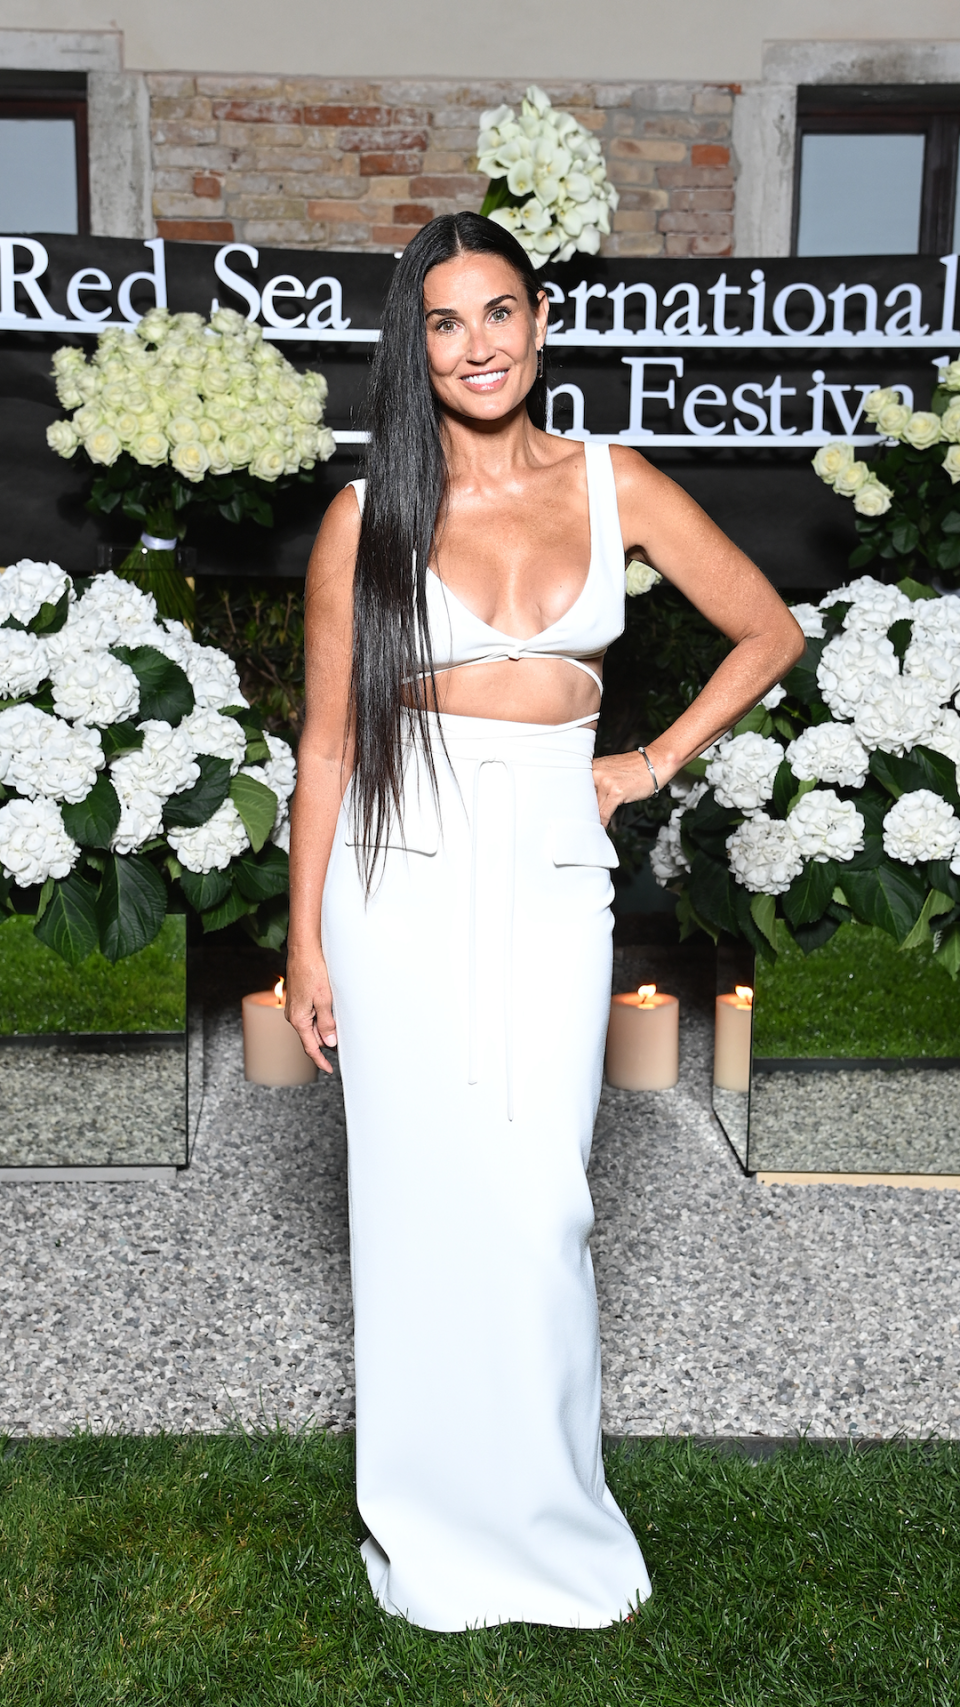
134	778
907	499
837	798
549	179
178	412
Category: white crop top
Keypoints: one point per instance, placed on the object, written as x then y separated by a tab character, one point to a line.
594	620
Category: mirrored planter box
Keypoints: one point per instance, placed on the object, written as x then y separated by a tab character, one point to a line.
853	1064
94	1058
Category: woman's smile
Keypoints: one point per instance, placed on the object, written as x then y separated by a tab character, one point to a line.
485	381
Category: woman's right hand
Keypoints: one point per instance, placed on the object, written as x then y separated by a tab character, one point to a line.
309	1007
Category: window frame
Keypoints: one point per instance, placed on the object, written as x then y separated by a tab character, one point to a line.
42	95
931	110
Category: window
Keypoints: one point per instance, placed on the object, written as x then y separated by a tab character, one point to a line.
877	170
44	182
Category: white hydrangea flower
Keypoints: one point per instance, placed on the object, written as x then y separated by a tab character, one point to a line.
42	755
920	826
26	585
164	765
852	663
937	621
211	846
210	672
764	855
945	738
279	772
743	774
896	715
810	619
141	819
33	842
937	663
280	834
217	736
94	688
829	752
23	663
826	827
874	605
771	700
667	858
689	789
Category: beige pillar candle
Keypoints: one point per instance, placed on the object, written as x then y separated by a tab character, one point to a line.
643	1040
272	1051
731	1049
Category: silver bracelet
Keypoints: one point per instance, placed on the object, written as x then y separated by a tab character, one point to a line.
646	760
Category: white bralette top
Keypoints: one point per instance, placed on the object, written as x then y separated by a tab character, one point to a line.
594	620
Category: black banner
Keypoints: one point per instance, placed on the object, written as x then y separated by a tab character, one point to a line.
727	374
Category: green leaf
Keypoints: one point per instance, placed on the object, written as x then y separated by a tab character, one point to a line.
712	893
784	788
708	827
131	907
205	889
689	920
891	896
50	618
165	692
809	895
227	913
69	923
763	911
900	635
948	552
859	557
916	589
904	536
801	683
269	925
758	721
193	806
811	937
747	927
946	949
92	821
257	806
263	877
120	738
939	876
802	788
949	524
934	905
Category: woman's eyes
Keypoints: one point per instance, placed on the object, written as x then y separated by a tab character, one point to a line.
497	315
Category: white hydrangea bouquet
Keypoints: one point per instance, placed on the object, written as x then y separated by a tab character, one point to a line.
908	499
175	412
134	777
837	798
549	179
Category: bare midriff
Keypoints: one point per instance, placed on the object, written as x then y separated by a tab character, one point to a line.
522	690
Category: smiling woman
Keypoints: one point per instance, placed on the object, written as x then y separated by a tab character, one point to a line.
449	854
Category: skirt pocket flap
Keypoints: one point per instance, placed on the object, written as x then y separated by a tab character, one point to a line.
578	841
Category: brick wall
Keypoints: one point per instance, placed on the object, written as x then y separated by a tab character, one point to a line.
346	164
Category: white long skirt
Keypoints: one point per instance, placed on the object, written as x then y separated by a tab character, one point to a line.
471	994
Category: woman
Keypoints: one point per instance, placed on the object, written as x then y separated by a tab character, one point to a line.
450	925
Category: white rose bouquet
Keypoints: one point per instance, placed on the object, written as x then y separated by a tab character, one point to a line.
839	798
907	500
134	777
549	183
175	412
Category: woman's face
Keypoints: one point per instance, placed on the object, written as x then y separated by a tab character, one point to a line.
482	336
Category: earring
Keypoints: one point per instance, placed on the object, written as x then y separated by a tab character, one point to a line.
540	361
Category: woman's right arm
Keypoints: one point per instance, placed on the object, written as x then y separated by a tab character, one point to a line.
324	763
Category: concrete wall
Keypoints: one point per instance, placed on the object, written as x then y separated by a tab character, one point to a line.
604	40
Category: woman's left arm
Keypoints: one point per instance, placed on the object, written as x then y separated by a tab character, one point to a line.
664	526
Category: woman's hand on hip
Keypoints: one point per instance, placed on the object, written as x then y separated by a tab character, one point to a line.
309	1006
617	778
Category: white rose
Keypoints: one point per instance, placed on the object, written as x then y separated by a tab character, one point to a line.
826	827
743	773
950	376
268	464
150	449
949	423
103	446
26	585
851	478
164	765
62	436
23	663
640	578
211	846
667	858
829	752
810	620
892	420
878	400
190	459
951	463
33	842
920	826
922	430
764	855
896	715
873	499
219	737
94	687
851	663
831	459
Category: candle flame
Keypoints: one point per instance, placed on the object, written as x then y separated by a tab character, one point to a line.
745	994
278	992
647	992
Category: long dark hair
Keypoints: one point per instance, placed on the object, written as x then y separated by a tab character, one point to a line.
406	473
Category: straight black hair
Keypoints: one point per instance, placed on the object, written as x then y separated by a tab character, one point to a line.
406	472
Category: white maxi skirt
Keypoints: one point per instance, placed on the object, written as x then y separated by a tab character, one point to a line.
471	994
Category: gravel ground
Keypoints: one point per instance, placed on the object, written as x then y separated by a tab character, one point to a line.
726	1307
903	1120
70	1108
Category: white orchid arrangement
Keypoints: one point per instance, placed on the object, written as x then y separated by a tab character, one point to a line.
838	797
908	500
134	777
549	179
178	411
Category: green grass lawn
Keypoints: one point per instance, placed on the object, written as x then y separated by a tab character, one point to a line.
39	992
858	995
171	1571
